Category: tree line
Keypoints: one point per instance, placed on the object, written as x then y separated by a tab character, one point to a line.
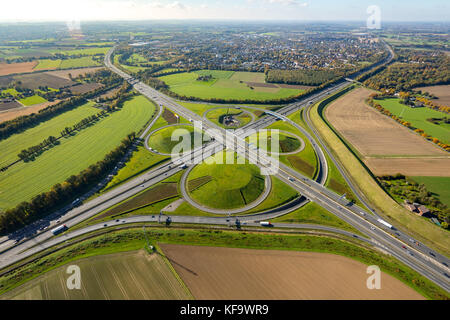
62	193
301	77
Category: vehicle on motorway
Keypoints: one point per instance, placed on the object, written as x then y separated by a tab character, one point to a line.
117	220
432	254
265	224
183	166
291	179
385	224
59	229
445	264
77	203
105	225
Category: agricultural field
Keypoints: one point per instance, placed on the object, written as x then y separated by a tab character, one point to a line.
36	80
442	93
371	134
20	111
418	118
226	186
132	275
73	72
12	68
72	155
230	273
49	64
224	85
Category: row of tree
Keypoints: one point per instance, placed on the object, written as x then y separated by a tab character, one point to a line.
33	151
62	193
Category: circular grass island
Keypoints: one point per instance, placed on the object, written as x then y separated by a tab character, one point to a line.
160	140
229	118
288	143
226	186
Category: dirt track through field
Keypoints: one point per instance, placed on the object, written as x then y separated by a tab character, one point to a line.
229	273
374	135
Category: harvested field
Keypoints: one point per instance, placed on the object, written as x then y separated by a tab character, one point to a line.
428	167
441	92
9	105
8	115
34	81
229	273
74	72
372	133
85	88
130	275
13	68
161	192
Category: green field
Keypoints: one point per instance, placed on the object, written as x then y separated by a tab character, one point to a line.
10	91
440	186
224	85
47	64
230	185
83	51
418	118
29	101
74	154
134	275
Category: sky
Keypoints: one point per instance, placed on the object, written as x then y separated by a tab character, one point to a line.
297	10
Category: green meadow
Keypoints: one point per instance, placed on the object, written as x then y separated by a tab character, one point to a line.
224	85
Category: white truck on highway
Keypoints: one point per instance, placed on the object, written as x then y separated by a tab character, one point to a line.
385	223
59	229
265	223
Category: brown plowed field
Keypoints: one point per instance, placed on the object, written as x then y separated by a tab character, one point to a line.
372	134
433	167
74	72
5	116
229	273
442	92
12	68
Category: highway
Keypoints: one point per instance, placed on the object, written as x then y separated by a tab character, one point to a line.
364	221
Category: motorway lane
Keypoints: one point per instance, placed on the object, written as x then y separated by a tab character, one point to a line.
224	221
